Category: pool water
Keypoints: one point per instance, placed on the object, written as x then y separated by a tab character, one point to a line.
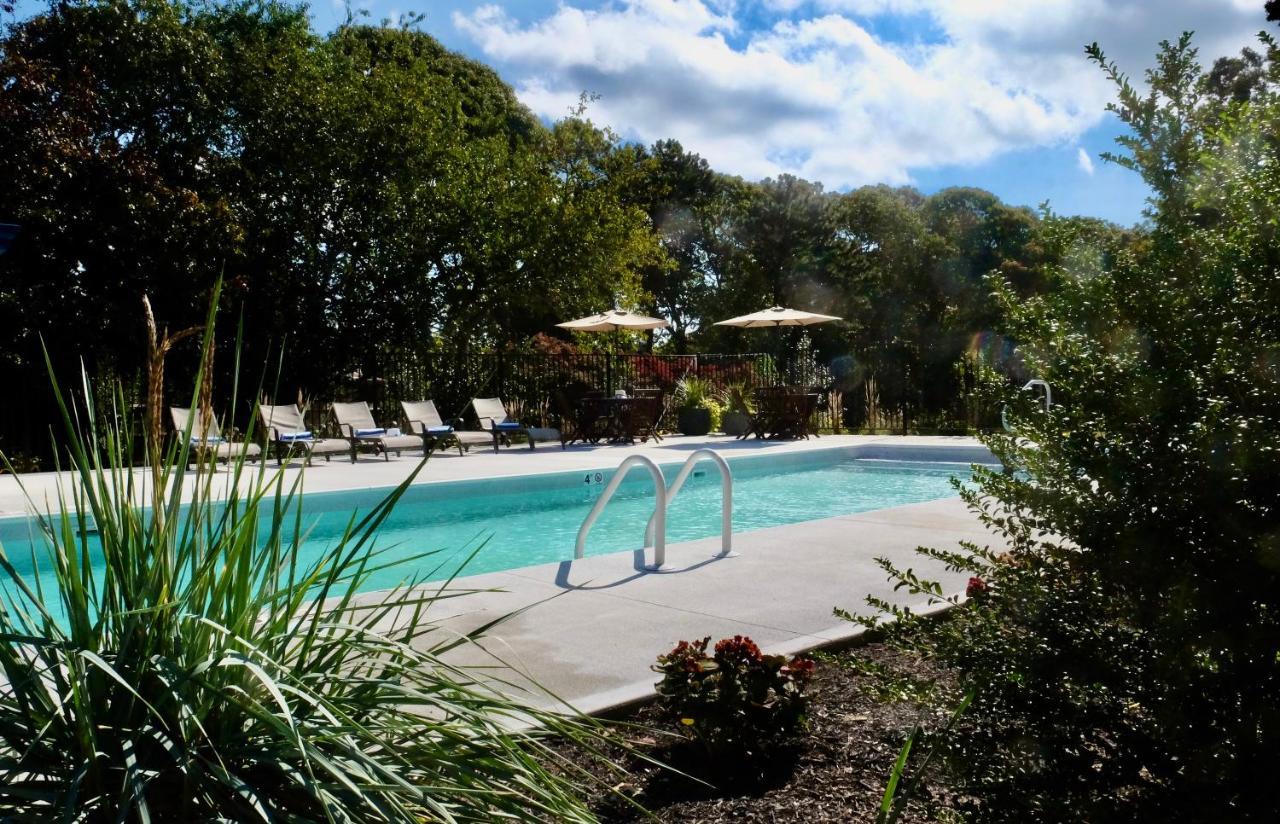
527	520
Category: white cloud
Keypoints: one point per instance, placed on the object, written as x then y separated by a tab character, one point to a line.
816	92
1084	162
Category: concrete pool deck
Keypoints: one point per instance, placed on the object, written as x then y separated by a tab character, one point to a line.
587	631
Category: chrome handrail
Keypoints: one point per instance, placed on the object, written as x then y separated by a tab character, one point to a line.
659	516
1034	382
726	499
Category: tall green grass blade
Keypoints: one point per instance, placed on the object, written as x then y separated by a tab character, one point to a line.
189	662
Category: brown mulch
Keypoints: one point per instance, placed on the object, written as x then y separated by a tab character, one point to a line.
837	772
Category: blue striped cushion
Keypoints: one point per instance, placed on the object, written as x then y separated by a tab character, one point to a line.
365	433
289	437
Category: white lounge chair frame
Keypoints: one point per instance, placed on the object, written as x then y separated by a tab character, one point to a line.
280	421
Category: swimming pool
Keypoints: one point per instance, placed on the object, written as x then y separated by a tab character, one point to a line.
534	519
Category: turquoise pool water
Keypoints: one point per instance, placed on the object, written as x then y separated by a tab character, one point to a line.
528	520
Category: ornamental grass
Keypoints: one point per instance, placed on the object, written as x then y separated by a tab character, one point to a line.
188	664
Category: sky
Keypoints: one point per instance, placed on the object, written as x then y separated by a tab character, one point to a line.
929	93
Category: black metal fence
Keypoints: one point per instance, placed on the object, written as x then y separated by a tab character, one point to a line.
535	387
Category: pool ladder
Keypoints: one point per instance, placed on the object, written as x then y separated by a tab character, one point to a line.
656	530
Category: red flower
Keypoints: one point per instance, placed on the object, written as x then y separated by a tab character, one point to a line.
977	588
738	650
686	656
801	668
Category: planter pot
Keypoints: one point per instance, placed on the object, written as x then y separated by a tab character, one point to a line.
735	423
695	421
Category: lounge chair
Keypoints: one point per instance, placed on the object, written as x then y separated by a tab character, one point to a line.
494	419
425	422
287	432
358	427
209	440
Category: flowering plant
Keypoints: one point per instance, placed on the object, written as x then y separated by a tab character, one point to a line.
736	702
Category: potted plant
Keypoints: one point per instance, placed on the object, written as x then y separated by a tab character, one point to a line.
697	411
736	399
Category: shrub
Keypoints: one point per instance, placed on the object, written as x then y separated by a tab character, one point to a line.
736	397
1123	644
699	393
187	666
737	702
693	392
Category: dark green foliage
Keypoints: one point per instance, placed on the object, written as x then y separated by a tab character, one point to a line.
905	271
368	185
737	702
1124	652
373	196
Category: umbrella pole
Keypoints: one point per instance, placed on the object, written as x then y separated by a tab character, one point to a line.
608	366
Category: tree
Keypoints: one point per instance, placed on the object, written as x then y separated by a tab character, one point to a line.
881	267
685	201
368	193
777	249
109	139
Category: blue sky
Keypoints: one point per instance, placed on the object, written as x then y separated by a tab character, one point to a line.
930	93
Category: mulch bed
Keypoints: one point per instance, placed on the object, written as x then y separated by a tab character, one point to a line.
835	773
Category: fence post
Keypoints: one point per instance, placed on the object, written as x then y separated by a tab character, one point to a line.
608	375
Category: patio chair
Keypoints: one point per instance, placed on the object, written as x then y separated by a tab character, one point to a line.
425	422
358	427
208	440
287	432
808	407
579	420
494	419
647	414
765	405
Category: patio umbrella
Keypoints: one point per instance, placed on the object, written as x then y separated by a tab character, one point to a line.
777	316
612	321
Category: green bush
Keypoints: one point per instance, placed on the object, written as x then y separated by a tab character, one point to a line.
700	393
202	672
736	703
1123	643
736	397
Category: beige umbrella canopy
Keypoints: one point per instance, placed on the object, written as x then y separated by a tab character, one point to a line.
611	321
777	316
